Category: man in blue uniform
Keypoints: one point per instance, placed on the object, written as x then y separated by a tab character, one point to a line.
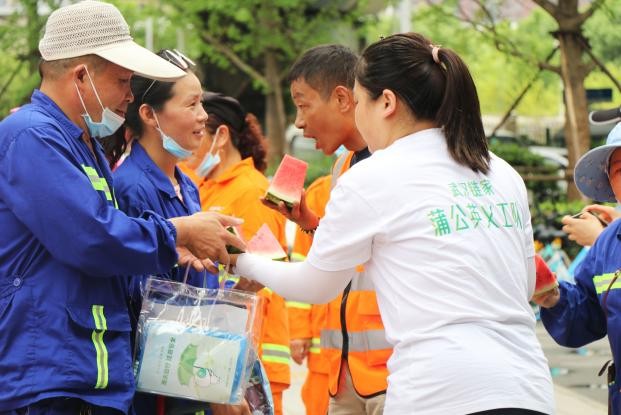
66	252
577	314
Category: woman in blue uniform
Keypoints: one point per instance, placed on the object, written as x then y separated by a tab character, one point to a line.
165	123
580	313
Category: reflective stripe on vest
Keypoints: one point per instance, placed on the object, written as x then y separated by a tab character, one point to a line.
100	184
299	305
100	346
297	257
315	345
340	166
275	353
364	341
602	282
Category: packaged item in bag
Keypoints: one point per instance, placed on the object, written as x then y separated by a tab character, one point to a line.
196	343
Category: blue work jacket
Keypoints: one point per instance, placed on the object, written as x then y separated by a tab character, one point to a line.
65	254
579	317
139	185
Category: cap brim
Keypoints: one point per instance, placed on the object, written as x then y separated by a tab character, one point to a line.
142	61
590	174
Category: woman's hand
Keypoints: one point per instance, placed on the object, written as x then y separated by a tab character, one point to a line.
548	299
186	259
584	229
606	213
245	284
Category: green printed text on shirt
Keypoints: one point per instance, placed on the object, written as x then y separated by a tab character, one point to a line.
468	215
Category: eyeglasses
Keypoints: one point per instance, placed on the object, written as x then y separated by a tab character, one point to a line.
176	58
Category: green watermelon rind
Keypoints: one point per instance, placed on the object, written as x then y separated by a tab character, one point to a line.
276	199
230	248
546	288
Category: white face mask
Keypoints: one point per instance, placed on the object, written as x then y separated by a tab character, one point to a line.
170	144
209	162
110	121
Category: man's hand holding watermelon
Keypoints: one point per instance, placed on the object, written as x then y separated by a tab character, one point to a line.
286	194
546	294
299	213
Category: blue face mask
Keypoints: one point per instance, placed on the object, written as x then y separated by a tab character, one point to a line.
171	144
110	121
209	162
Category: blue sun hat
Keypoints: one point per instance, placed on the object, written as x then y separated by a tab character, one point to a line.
591	173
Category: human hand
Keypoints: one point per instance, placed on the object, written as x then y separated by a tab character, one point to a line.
299	213
187	259
204	235
299	349
245	284
606	213
548	299
584	229
224	409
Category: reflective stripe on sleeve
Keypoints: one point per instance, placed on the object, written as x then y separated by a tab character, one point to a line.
275	353
315	342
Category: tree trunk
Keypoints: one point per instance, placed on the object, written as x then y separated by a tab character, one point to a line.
274	109
573	73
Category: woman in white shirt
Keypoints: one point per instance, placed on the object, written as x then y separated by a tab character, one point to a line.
443	228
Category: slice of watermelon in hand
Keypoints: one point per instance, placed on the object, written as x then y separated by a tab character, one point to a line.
546	280
288	182
264	243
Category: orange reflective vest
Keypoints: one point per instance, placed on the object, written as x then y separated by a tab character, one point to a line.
237	192
306	320
354	331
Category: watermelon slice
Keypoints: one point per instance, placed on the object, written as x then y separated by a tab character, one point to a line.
235	230
288	182
264	243
546	280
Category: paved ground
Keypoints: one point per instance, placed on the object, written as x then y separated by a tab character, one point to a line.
578	389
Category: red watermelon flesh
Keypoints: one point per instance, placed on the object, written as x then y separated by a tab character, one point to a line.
264	243
546	280
288	181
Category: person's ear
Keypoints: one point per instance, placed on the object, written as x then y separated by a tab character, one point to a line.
344	98
79	75
147	115
222	137
389	102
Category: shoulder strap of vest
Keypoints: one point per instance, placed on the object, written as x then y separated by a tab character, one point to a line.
341	165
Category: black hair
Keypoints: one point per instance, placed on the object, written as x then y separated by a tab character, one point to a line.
146	91
244	128
441	91
324	68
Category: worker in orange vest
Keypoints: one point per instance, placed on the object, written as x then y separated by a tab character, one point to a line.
307	320
228	167
353	339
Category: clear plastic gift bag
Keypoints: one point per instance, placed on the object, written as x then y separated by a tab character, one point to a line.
196	343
